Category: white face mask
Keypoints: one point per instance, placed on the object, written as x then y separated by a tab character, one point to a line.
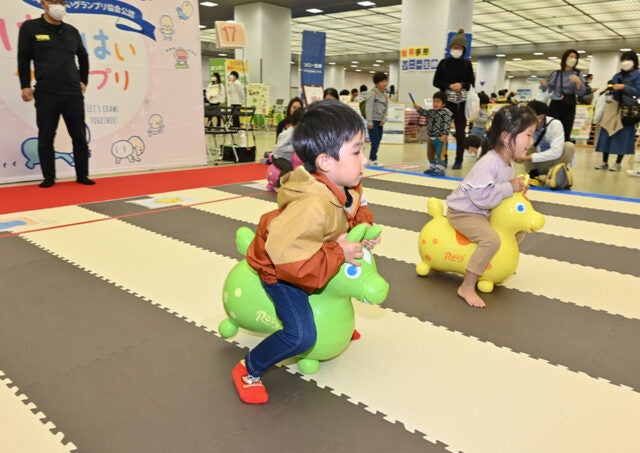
56	11
626	65
456	53
571	62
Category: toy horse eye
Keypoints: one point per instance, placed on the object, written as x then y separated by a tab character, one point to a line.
352	271
366	255
520	207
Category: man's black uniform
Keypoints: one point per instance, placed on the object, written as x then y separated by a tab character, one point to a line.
53	50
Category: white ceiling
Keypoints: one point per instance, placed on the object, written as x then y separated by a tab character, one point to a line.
516	28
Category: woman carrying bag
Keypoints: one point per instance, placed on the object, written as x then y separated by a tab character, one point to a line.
618	133
564	86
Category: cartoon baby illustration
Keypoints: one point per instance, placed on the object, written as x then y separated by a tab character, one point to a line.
130	149
182	58
156	125
166	27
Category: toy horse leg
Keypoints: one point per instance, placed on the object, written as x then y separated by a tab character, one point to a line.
485	286
228	328
308	366
422	268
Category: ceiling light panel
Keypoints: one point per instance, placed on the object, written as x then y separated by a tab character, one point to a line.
610	16
609	6
526	5
515	24
492	19
378	19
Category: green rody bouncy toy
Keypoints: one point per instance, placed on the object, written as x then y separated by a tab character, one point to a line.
248	306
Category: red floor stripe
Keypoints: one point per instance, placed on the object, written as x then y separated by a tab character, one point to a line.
30	197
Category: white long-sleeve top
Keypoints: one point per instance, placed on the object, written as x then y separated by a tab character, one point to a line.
235	93
551	146
215	93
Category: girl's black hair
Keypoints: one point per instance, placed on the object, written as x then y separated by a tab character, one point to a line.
217	77
512	119
324	127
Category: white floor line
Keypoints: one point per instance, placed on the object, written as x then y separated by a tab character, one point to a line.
21	431
49	218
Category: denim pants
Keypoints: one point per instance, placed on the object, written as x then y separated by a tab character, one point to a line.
298	331
437	149
375	135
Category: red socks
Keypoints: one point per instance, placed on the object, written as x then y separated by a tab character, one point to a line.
356	335
251	390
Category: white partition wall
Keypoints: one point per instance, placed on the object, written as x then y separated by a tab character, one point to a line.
134	122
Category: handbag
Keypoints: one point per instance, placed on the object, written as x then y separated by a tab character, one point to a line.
566	99
629	110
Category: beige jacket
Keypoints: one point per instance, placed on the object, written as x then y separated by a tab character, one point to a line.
297	242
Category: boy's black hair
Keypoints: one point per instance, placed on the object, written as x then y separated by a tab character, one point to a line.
512	119
440	95
484	99
324	127
344	92
379	77
354	91
235	74
539	107
363	88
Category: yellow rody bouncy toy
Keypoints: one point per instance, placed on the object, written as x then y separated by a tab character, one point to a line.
444	249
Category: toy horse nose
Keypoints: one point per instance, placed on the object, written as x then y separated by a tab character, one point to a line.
538	223
375	290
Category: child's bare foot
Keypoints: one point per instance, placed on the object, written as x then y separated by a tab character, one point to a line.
471	297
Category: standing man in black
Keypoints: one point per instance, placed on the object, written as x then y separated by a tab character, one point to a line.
53	46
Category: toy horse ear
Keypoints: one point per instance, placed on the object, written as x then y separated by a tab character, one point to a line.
357	232
244	236
373	232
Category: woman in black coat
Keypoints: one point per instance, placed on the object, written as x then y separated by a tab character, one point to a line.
454	75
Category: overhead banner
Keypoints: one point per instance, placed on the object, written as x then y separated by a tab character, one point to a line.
312	59
133	122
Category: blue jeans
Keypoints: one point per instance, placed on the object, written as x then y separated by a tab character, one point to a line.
437	147
297	335
375	135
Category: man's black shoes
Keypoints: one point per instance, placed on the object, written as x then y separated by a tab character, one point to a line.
86	181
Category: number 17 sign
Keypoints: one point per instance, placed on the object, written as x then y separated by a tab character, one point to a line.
230	35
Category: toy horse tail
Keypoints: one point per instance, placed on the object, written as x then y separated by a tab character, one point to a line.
435	207
244	236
